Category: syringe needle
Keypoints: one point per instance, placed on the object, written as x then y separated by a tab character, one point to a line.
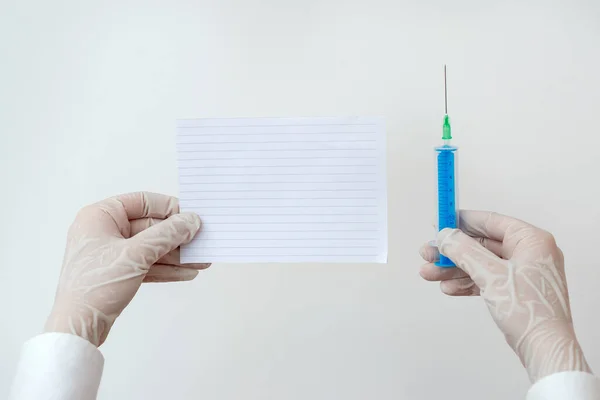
446	127
445	92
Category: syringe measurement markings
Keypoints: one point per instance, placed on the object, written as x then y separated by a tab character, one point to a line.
446	196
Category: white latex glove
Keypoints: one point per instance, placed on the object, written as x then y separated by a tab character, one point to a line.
112	247
519	271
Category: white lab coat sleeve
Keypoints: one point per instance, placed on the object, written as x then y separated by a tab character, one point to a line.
58	366
571	385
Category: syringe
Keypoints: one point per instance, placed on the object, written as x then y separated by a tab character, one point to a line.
447	175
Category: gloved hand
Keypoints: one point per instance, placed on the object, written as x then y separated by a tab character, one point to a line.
112	247
519	271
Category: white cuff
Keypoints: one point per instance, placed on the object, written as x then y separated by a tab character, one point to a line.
58	366
571	385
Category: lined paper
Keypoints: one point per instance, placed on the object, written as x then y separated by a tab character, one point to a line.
284	189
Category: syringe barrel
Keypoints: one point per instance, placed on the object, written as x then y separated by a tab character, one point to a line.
447	195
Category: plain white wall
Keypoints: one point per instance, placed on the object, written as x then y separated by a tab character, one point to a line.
89	92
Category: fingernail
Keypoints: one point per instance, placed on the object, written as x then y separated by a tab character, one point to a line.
191	219
442	235
187	274
445	288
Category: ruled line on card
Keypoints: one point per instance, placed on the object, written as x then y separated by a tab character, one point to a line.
284	189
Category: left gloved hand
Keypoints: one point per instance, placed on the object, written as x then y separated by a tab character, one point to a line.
112	247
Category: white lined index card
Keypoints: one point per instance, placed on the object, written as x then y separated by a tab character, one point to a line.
284	189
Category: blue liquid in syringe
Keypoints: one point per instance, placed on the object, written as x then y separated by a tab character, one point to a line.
447	210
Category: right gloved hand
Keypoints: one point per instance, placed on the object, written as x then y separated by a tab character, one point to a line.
519	271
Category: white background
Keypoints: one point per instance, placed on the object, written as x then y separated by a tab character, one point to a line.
89	94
